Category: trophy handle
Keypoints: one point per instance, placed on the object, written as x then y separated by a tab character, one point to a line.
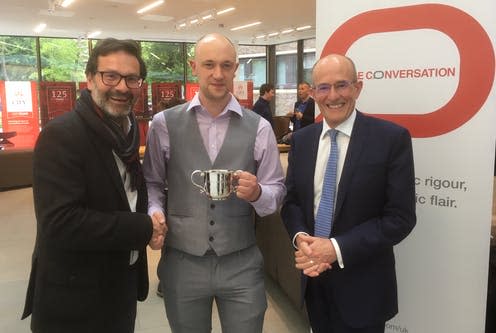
201	187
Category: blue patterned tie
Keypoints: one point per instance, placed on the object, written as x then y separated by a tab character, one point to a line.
325	213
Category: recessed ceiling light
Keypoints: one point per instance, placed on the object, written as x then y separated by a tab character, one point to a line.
66	3
305	27
287	31
40	27
272	34
245	26
150	6
227	10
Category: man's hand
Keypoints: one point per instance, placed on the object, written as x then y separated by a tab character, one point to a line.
159	231
315	254
248	187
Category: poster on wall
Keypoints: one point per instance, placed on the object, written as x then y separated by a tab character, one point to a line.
430	67
56	98
162	92
243	90
141	106
20	112
142	113
191	89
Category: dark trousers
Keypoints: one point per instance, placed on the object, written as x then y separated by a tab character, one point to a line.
323	314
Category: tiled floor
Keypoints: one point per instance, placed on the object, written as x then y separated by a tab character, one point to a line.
17	234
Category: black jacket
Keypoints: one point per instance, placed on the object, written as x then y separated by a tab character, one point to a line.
81	279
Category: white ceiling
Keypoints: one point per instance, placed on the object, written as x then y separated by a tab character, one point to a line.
118	18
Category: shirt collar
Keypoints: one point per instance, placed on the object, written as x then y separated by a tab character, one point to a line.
233	105
345	127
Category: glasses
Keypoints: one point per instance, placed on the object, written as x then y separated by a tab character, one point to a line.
112	79
340	87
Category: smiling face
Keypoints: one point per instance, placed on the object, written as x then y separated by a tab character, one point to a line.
335	106
117	102
215	66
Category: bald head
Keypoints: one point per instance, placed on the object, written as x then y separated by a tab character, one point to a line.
336	60
213	40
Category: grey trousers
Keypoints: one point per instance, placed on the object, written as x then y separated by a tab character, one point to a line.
235	281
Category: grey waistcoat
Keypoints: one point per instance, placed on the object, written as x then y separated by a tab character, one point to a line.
195	222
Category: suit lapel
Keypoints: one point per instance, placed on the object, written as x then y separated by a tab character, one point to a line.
313	148
357	143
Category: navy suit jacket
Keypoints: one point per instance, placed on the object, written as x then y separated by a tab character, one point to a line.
375	209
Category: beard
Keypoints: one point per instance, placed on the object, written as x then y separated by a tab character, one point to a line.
114	110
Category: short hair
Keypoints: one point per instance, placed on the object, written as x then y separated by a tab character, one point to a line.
266	87
305	83
111	45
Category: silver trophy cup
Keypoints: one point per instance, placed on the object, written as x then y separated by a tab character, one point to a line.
217	184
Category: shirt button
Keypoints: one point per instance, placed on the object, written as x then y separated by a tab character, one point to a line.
212	222
212	206
211	238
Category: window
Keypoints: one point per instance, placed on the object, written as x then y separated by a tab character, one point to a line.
286	77
63	60
164	61
308	59
18	59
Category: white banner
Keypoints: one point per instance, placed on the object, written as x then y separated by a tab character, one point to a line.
18	96
430	67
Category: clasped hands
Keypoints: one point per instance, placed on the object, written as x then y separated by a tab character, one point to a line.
297	114
159	230
314	255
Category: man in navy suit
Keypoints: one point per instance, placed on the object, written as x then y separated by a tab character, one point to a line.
349	279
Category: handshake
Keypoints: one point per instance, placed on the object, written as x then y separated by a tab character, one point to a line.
159	231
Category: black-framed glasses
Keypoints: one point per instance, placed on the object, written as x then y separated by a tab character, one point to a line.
340	87
112	79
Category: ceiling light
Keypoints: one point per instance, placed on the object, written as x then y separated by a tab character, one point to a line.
94	34
40	27
194	21
245	26
150	6
272	34
180	25
287	31
66	3
305	27
260	36
227	10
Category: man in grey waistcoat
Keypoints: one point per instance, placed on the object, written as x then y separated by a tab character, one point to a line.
210	250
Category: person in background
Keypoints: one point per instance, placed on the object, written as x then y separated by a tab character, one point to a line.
262	105
351	198
210	252
303	113
89	265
